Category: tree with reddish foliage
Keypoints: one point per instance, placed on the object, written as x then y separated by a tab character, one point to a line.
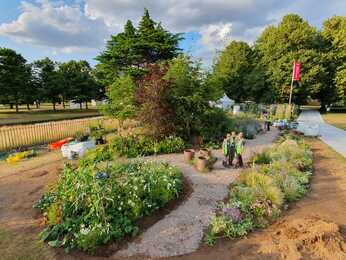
152	98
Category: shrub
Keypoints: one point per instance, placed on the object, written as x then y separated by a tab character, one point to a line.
92	205
248	125
216	123
133	146
261	158
263	187
292	189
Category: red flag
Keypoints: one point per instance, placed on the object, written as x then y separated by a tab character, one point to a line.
296	71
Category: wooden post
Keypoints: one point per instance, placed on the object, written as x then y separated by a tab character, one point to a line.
290	99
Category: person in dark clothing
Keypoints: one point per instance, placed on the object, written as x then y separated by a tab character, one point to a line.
240	143
232	148
225	149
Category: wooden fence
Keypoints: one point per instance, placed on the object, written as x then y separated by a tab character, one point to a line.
26	135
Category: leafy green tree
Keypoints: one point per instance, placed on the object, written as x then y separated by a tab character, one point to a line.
78	80
133	49
237	73
30	92
189	94
48	80
334	34
14	77
278	46
232	68
121	99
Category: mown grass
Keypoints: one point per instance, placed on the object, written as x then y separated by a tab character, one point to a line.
20	247
10	117
336	119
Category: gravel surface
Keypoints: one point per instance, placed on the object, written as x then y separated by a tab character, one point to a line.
181	231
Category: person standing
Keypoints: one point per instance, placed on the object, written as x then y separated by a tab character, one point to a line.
226	150
232	148
240	143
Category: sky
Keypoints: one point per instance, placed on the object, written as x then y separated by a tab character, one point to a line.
78	29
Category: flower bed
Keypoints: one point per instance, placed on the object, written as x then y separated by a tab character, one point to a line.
95	204
279	175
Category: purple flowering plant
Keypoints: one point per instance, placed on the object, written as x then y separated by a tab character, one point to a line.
233	213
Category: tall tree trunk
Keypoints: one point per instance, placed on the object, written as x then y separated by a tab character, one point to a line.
27	106
80	105
63	103
11	106
54	106
17	108
86	104
36	103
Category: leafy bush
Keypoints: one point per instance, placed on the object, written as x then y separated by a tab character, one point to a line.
256	198
133	146
215	123
248	125
261	158
92	205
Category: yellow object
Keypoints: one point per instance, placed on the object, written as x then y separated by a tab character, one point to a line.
13	158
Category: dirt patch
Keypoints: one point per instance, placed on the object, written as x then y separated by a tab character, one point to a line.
309	237
39	174
313	228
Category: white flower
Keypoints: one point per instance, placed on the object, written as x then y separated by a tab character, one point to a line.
84	231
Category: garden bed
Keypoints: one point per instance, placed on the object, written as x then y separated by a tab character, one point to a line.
316	222
92	205
279	175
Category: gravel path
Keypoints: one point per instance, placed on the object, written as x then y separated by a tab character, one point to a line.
181	231
331	135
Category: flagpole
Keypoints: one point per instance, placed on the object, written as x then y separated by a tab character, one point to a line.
290	100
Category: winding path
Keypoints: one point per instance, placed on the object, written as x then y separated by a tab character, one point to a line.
331	135
181	231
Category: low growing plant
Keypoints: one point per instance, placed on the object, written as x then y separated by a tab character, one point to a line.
94	204
280	174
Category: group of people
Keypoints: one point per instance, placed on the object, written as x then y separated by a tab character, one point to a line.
233	146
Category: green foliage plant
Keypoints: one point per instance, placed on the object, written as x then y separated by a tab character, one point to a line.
94	204
280	175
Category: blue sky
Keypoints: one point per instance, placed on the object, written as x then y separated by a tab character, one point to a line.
78	29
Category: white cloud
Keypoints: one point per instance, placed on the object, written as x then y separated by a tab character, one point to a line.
85	25
216	36
59	26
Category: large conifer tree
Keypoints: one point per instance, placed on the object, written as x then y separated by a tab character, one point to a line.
133	49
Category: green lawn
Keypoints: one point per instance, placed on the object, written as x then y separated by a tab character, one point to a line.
44	114
336	119
19	246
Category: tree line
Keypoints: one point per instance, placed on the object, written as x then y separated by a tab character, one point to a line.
45	81
262	72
